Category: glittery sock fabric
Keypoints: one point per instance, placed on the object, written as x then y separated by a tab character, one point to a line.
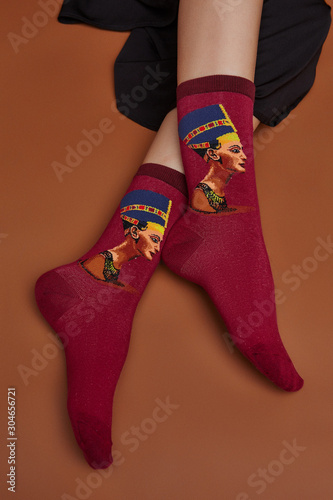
218	243
91	302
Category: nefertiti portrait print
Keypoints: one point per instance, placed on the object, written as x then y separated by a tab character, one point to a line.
144	215
210	132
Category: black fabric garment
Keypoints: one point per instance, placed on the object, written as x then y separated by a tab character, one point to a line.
123	15
291	36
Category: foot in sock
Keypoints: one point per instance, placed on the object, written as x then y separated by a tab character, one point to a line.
218	243
91	302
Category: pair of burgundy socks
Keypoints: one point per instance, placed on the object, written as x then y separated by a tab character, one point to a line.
217	243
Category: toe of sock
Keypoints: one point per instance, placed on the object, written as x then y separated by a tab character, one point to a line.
278	367
294	382
95	441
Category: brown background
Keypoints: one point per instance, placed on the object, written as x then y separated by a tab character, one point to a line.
230	421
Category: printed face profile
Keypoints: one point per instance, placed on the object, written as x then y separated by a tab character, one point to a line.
144	215
148	241
230	155
210	133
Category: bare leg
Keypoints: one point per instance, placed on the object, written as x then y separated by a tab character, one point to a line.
165	148
211	43
208	43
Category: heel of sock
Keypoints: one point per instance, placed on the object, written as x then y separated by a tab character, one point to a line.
54	296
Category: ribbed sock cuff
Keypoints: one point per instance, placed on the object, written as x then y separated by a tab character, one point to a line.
166	174
216	83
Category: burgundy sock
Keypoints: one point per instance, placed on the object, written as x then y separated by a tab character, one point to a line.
91	302
218	243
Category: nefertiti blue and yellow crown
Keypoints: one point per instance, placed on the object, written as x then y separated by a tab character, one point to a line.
146	207
207	127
